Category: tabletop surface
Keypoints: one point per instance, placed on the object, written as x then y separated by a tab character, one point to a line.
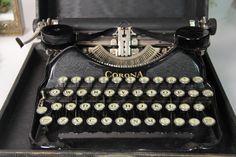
222	50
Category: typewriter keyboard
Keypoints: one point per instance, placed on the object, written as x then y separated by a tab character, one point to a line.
89	107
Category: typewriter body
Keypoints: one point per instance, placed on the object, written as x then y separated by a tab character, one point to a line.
132	79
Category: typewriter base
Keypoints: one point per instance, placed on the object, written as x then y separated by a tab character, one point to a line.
16	119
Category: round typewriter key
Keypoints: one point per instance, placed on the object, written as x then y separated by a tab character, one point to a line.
96	92
89	79
179	121
45	120
85	106
156	106
120	121
91	121
127	106
123	92
208	121
75	79
193	93
198	79
56	106
207	93
106	121
99	106
184	80
41	109
130	80
62	80
144	80
137	92
68	92
70	106
142	106
164	121
62	120
199	107
54	92
149	121
116	80
113	106
158	79
77	121
151	92
81	92
165	93
109	92
179	93
171	80
194	122
135	121
170	107
184	107
103	79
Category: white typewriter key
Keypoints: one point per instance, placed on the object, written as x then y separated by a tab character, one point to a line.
193	93
81	92
208	121
89	79
184	80
109	92
91	121
144	80
199	107
123	92
171	80
99	106
184	107
156	106
70	106
113	106
75	79
198	79
164	121
45	120
142	106
170	107
120	121
135	121
77	121
68	92
151	92
63	79
96	92
137	92
127	106
149	121
85	106
103	79
158	79
116	80
179	93
194	122
41	109
62	120
106	121
56	106
130	80
54	92
165	92
179	121
207	93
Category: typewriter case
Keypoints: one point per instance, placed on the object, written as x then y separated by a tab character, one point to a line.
17	113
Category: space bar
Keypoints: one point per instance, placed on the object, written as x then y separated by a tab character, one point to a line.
123	135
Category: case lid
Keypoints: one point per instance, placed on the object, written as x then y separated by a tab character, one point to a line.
102	14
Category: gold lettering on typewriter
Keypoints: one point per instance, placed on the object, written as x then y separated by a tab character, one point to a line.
136	74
